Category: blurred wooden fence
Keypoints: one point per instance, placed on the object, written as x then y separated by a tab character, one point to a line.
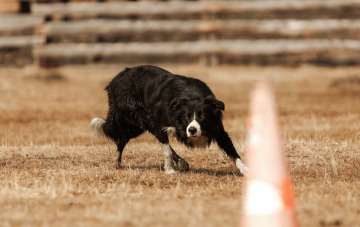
287	32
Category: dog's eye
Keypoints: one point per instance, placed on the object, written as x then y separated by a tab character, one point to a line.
202	116
186	117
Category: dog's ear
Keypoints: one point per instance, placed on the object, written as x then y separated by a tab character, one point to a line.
217	104
177	103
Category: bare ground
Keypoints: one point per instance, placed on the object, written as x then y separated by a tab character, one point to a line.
52	173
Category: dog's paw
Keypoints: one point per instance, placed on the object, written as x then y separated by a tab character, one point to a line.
244	171
241	166
170	171
117	166
182	165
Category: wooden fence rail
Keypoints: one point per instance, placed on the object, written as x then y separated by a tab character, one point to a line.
281	9
261	32
19	25
262	52
100	30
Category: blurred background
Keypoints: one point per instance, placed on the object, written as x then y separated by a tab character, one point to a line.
209	32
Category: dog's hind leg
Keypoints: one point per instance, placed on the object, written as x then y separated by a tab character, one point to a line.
121	133
120	148
122	141
182	165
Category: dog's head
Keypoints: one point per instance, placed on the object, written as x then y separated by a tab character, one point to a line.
197	120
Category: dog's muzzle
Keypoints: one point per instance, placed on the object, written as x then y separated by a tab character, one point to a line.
192	131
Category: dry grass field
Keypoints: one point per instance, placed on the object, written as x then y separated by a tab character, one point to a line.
52	173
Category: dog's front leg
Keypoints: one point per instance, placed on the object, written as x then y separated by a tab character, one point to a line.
182	165
169	154
226	144
168	158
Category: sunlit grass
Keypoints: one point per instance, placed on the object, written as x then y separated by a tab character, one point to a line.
53	173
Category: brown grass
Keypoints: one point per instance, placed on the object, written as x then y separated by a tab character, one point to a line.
52	173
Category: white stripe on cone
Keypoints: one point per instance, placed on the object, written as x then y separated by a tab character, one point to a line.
263	199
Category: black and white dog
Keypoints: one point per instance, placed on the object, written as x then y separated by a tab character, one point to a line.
148	98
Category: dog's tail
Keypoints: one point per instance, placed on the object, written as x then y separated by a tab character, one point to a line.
96	126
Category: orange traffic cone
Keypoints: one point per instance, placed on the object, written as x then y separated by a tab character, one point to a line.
269	199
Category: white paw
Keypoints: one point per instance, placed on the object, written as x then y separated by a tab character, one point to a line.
242	167
170	171
244	171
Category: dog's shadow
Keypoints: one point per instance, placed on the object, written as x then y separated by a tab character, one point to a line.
214	172
210	172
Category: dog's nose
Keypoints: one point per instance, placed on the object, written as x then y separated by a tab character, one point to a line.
192	130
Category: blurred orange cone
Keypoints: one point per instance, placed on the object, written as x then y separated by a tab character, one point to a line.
269	199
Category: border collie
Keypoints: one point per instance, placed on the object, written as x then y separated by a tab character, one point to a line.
148	98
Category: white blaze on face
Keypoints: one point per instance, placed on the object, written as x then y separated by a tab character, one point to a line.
196	125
